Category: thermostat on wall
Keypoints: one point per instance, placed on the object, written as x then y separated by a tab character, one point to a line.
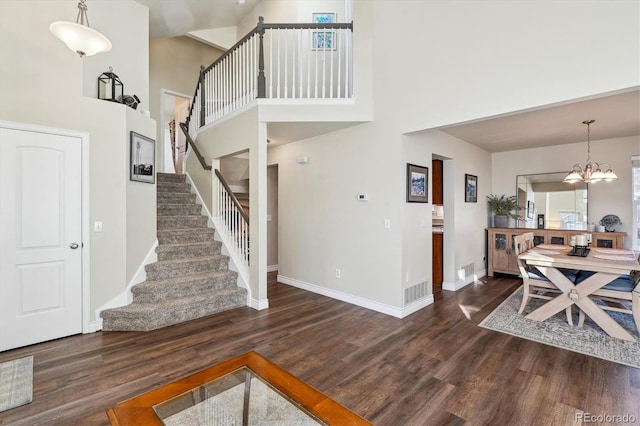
363	197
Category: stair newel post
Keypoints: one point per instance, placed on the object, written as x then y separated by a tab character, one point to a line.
202	96
261	79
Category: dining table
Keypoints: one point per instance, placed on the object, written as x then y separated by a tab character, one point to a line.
607	265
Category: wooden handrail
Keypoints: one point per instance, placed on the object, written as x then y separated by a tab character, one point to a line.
191	142
260	31
232	49
233	196
262	26
309	26
205	166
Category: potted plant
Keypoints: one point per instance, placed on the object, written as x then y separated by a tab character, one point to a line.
503	208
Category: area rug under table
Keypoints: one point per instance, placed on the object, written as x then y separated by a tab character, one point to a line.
555	331
16	383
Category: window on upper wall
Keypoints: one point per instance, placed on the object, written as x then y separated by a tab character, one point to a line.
635	172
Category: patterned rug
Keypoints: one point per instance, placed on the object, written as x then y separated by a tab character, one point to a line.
16	383
588	340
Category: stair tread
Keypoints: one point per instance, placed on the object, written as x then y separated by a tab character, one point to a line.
220	273
186	230
186	216
190	244
187	260
204	297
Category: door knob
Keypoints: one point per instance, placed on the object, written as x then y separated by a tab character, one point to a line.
74	246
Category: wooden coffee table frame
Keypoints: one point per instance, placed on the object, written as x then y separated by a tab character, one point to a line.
139	410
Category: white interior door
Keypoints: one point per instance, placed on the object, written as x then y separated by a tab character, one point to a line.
40	237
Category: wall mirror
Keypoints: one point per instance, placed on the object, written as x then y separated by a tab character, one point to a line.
564	205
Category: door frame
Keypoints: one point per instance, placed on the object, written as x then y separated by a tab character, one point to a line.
160	121
87	325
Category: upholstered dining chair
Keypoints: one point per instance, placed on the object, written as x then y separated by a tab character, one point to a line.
535	284
625	288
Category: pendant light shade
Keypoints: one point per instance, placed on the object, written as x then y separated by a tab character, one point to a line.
78	36
591	172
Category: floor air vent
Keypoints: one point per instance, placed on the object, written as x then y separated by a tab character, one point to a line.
466	271
416	292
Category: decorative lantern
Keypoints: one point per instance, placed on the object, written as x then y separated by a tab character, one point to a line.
110	88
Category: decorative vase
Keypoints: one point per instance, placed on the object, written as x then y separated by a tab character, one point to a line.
501	221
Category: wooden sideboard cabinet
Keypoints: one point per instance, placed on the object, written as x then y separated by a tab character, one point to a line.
502	253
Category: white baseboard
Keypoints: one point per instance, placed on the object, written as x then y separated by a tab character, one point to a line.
272	268
359	301
460	284
259	304
125	297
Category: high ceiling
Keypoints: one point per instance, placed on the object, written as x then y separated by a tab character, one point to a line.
172	18
617	115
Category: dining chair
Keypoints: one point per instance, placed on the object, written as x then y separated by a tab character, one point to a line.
535	284
616	295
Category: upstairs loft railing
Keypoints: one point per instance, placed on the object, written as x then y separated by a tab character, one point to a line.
275	61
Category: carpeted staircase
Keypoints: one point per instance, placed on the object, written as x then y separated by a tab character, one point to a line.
191	278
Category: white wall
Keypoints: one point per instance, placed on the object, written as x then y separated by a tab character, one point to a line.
323	227
468	59
604	197
141	200
272	213
175	66
41	82
443	63
201	178
129	56
279	11
464	240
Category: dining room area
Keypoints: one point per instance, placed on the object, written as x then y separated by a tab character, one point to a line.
575	296
574	244
593	281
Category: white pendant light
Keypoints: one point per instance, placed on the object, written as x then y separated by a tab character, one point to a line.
591	172
78	36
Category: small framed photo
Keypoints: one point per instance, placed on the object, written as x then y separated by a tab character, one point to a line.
470	188
323	40
143	155
530	209
417	184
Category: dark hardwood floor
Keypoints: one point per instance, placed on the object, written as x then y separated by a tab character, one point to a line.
433	367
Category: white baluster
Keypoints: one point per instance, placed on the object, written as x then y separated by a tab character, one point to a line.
334	36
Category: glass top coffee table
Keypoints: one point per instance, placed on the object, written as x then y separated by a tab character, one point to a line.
244	390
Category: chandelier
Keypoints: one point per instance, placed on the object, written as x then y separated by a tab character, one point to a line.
591	172
78	36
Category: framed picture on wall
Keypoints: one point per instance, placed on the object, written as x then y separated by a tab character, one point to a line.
530	209
470	188
323	40
143	155
417	184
